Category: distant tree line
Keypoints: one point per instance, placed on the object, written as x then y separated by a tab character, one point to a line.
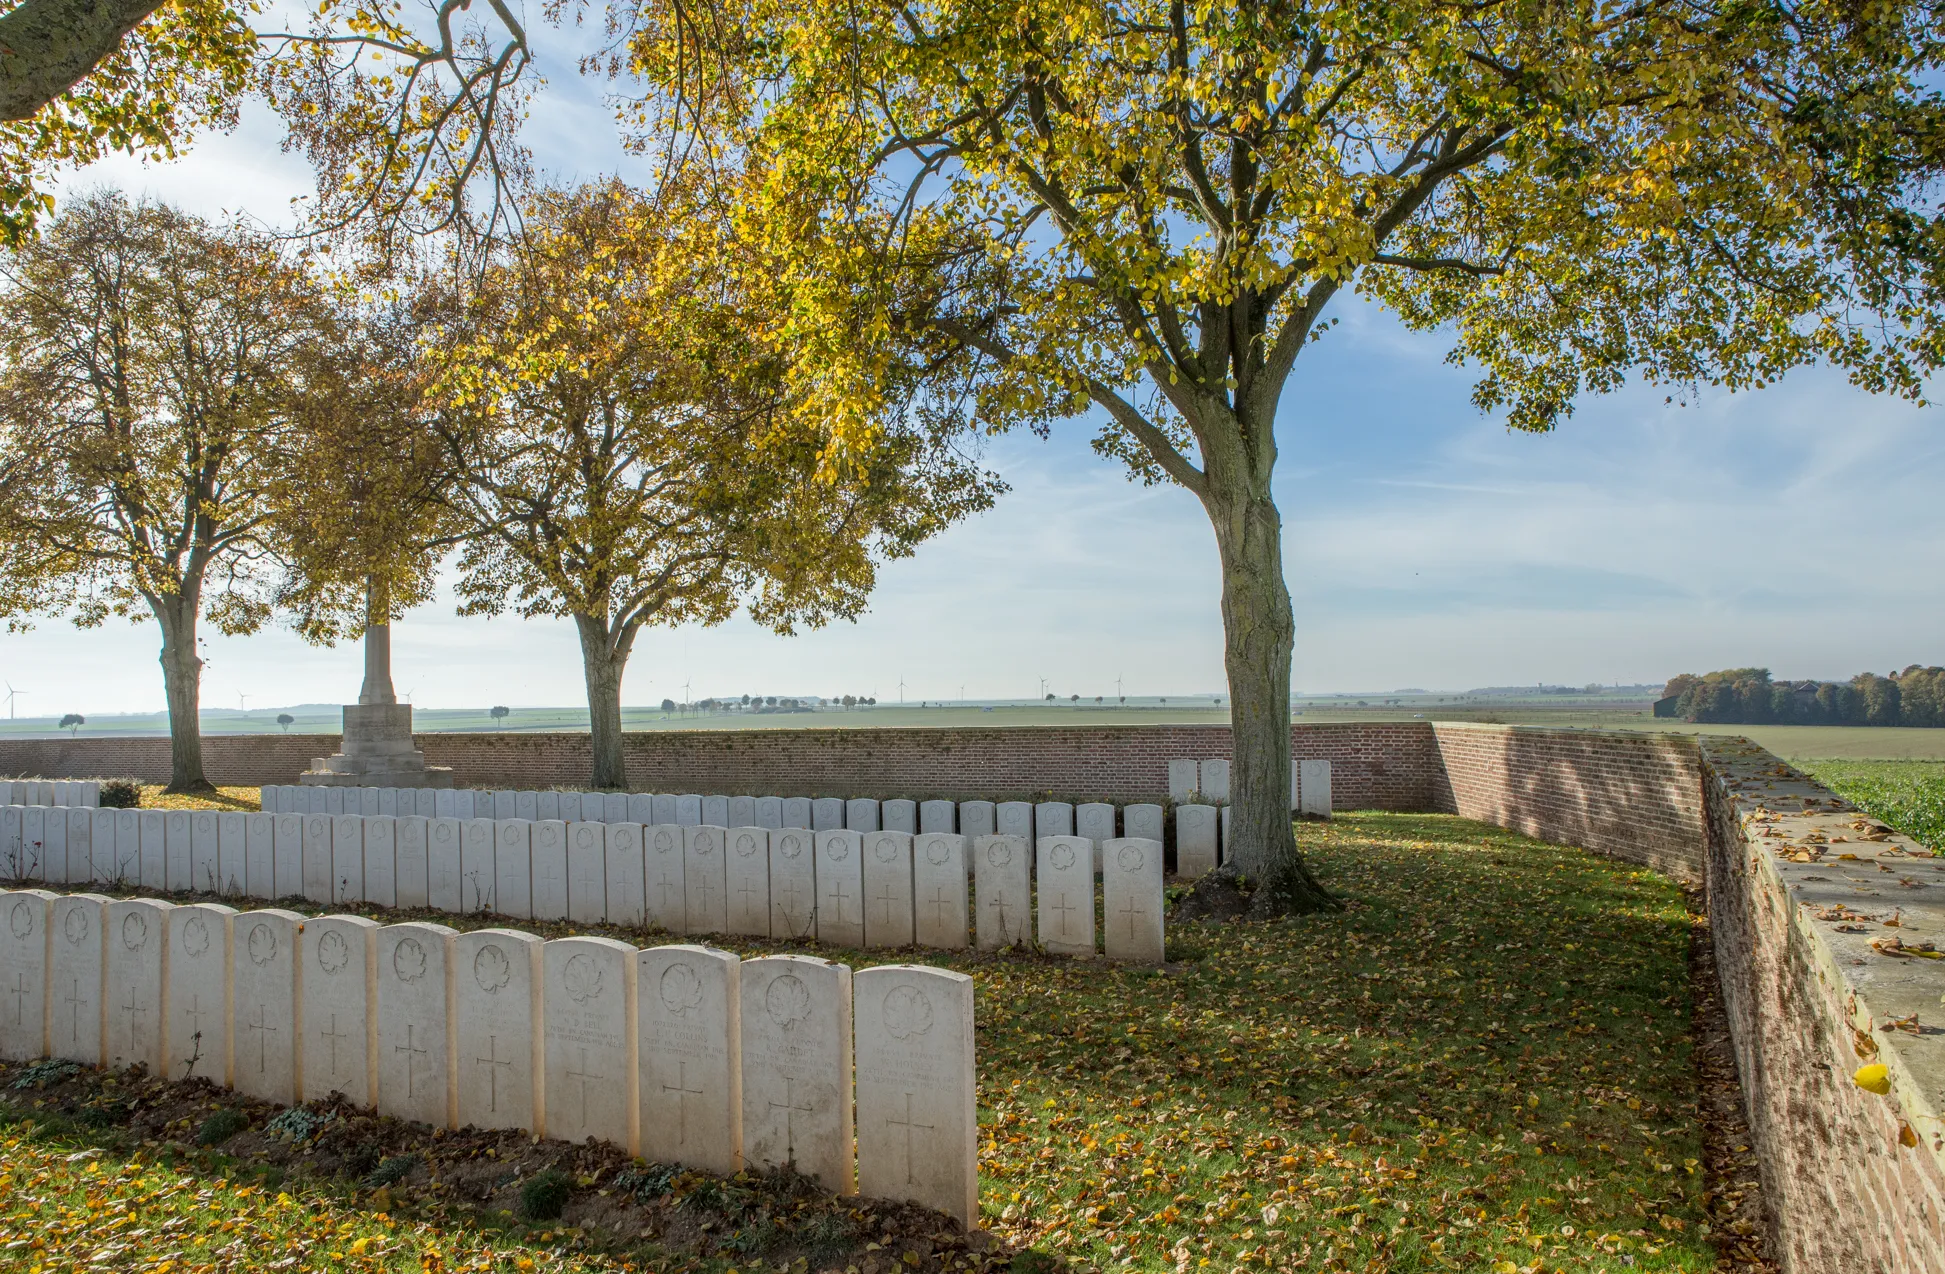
1747	696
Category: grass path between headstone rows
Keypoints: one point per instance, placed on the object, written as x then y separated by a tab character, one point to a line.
1483	1064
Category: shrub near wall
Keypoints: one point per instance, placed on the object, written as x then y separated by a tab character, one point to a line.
1799	888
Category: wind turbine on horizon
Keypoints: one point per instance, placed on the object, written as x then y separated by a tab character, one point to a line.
11	693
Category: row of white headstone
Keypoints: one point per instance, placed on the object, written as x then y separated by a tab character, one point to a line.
1201	830
1208	781
85	793
852	889
680	1054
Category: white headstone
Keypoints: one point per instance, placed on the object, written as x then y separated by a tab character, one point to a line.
128	847
918	1128
1003	891
264	957
259	857
614	807
178	847
1195	840
550	869
747	877
688	810
154	837
13	850
203	852
415	1057
1095	820
1313	788
1014	818
688	1030
861	814
626	886
513	868
1053	818
705	880
840	887
526	805
348	858
1131	900
444	881
937	816
742	812
587	873
1142	822
101	862
715	811
340	1028
793	884
409	837
503	806
388	801
666	901
317	800
54	844
939	890
197	1025
641	808
496	1007
797	1092
477	873
268	796
1183	780
594	808
77	935
464	803
591	1069
1065	871
442	803
795	811
81	842
381	861
426	805
137	941
317	883
232	848
334	798
547	807
899	816
366	804
24	974
661	805
286	855
826	814
28	858
769	813
888	889
1213	781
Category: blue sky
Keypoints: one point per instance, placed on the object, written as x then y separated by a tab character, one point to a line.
1426	546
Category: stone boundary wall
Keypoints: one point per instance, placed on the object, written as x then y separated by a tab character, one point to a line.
1376	765
1800	886
1636	796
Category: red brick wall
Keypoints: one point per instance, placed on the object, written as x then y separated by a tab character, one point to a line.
1635	796
1380	765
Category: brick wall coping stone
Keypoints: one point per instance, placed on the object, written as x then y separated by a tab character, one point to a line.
1836	876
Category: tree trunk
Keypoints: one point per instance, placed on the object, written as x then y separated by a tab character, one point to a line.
182	679
602	665
1258	637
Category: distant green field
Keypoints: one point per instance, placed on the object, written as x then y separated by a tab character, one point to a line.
1909	795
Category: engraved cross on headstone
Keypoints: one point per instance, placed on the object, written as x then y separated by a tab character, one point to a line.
260	1026
668	887
908	1125
1065	909
787	1106
939	903
682	1093
1132	912
840	895
885	899
74	1003
334	1035
412	1056
19	993
493	1061
747	890
130	1011
582	1077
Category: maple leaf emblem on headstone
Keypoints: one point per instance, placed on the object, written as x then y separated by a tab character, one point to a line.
681	989
908	1012
581	979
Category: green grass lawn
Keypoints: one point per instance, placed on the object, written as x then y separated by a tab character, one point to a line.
1482	1065
1909	795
